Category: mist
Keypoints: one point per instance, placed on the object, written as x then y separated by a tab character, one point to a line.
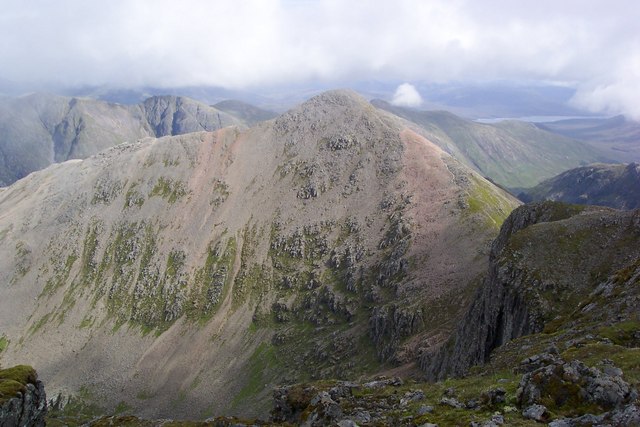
591	46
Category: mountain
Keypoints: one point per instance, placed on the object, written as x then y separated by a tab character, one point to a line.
616	186
248	113
40	129
185	276
618	135
513	154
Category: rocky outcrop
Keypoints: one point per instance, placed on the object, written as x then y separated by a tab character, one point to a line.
499	311
535	275
550	379
23	401
345	403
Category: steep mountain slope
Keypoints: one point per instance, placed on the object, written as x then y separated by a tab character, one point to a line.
548	270
618	135
511	153
616	186
186	275
41	129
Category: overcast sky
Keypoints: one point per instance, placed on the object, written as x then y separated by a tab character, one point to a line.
591	45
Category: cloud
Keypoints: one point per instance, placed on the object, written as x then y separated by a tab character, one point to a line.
406	95
255	43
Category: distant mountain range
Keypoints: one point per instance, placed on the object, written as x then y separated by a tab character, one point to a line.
618	135
470	100
40	129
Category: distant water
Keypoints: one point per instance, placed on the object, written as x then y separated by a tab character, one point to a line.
538	119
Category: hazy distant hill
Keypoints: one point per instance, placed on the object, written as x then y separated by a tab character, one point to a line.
248	113
40	129
616	186
513	154
618	135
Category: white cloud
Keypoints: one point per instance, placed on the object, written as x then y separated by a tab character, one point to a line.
244	43
406	95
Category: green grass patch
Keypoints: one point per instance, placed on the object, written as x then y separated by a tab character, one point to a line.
622	333
79	410
259	370
169	189
39	324
121	408
484	200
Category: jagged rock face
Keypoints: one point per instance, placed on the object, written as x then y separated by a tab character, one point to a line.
546	259
41	129
186	275
28	409
616	186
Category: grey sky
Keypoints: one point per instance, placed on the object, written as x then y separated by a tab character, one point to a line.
592	45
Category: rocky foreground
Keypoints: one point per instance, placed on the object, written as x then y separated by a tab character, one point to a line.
545	388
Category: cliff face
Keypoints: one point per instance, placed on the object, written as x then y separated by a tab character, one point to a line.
23	401
547	257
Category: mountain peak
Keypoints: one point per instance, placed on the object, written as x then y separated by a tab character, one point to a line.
334	111
338	97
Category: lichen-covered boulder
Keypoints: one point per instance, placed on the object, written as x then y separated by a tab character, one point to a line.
554	382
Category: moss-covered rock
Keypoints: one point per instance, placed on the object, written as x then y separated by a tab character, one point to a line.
23	401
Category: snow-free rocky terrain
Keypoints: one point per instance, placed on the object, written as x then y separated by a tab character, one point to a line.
186	276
